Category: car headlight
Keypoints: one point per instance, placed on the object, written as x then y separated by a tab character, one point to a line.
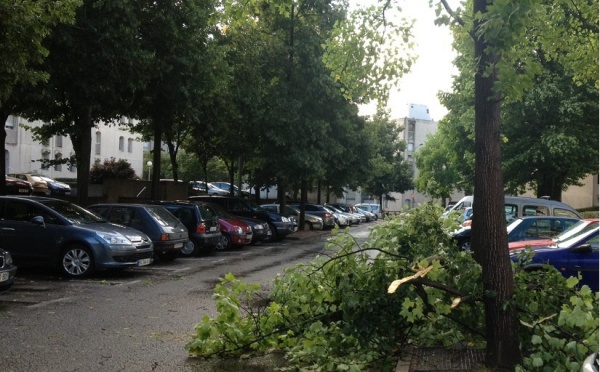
7	258
238	230
113	238
285	219
258	227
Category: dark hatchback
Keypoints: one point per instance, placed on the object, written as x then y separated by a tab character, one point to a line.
168	234
54	233
7	271
202	224
279	225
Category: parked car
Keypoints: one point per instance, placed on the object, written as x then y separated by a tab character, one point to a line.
517	206
319	211
357	218
234	232
522	228
371	207
40	186
311	222
279	225
579	227
343	218
207	188
577	255
7	271
57	187
167	233
42	231
202	224
260	229
227	187
369	216
15	186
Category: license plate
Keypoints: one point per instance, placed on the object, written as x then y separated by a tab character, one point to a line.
3	277
178	245
248	236
144	262
24	191
269	232
213	228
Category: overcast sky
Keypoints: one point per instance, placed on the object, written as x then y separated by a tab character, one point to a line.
433	69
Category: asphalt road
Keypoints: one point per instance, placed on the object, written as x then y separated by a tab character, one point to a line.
137	319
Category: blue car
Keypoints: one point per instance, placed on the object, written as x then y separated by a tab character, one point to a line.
575	256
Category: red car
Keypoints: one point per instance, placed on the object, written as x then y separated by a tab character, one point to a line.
583	225
15	186
234	232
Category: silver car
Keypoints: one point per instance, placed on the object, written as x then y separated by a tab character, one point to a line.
311	222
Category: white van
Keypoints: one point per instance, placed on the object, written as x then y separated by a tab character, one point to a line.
517	206
374	208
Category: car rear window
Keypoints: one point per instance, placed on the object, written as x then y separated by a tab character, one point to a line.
162	215
564	213
206	212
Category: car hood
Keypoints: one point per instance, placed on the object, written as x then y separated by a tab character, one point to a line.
107	227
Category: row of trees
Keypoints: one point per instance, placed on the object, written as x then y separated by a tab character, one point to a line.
272	85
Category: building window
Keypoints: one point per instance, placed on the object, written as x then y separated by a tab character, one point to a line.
121	143
11	122
72	163
130	145
58	141
58	166
45	159
98	143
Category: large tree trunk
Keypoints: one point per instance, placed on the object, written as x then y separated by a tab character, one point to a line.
82	145
3	117
156	149
489	238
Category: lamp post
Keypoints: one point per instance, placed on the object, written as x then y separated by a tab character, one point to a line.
149	164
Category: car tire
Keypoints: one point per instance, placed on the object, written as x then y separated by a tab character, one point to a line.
224	243
76	261
169	256
308	226
274	236
190	249
465	245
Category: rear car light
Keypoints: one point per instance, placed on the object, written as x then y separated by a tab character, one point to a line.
164	237
201	229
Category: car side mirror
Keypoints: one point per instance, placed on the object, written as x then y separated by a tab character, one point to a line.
582	249
38	220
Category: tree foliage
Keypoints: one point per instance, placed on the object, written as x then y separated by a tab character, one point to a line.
111	169
343	311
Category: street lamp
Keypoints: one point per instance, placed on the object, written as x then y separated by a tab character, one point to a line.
149	164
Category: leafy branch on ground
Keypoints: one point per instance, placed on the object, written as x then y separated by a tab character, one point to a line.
335	313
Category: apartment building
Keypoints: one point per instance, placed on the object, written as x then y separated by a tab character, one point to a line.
23	153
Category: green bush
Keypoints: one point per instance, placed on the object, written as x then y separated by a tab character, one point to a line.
111	168
335	313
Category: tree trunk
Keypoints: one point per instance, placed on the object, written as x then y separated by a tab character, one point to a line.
3	117
489	238
156	150
82	145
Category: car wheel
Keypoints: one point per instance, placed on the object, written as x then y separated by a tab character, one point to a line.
76	262
465	245
189	249
224	242
273	236
308	226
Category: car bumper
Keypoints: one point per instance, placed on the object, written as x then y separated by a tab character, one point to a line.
241	239
284	228
161	247
207	240
7	278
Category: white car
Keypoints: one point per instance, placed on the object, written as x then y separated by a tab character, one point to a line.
370	207
208	188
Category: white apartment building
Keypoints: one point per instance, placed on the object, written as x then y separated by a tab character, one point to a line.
22	152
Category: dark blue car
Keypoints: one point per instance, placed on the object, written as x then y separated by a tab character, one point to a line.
572	257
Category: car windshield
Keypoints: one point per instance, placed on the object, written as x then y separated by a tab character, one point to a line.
220	212
72	212
255	207
578	228
47	179
162	216
572	239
